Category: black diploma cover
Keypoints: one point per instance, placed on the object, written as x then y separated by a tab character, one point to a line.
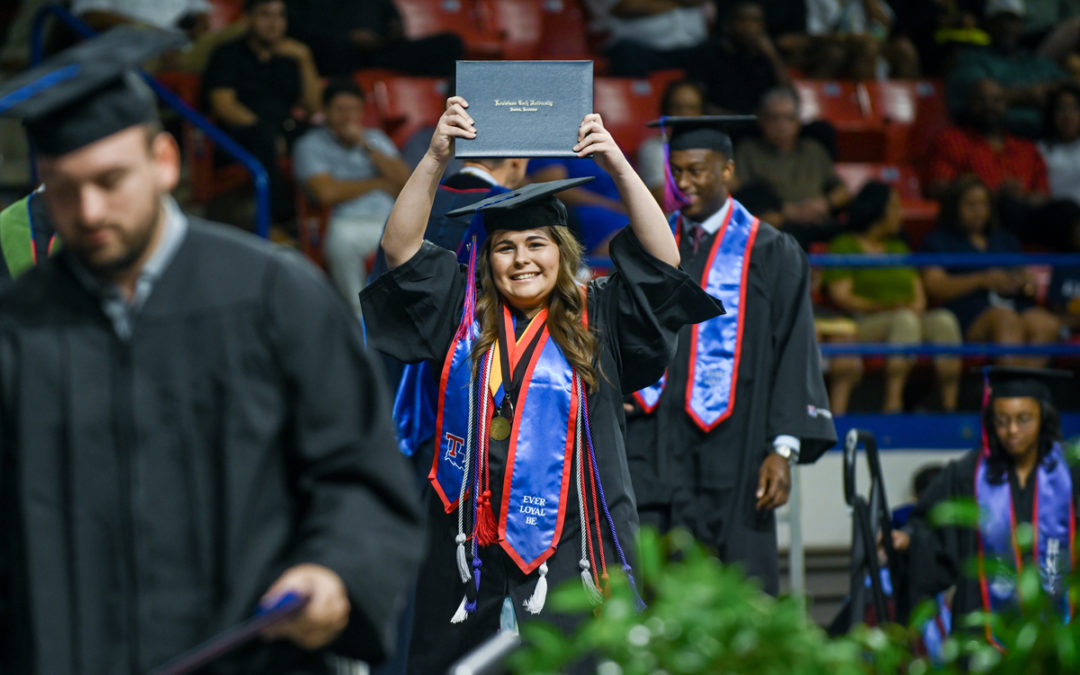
524	108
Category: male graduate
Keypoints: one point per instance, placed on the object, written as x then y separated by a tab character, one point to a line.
710	445
26	236
190	426
1019	474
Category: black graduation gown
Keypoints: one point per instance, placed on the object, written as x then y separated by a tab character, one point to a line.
937	557
153	489
706	482
412	313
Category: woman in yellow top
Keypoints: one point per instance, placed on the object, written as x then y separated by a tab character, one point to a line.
888	303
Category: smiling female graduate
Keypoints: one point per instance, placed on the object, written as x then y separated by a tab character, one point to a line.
530	468
1019	475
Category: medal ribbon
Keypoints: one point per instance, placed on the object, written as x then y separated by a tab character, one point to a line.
1054	519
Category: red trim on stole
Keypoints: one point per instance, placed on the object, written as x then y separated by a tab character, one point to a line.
750	238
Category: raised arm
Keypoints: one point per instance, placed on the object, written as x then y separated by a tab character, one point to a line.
646	219
404	231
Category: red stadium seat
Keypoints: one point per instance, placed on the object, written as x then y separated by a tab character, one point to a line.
626	104
931	115
518	23
846	105
224	12
563	31
422	18
407	104
919	214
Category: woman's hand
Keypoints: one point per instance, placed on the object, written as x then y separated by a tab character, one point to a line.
454	123
595	140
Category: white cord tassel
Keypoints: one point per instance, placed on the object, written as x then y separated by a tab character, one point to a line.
587	581
461	614
535	604
462	562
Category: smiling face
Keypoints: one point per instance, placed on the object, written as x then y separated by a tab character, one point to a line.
105	199
1017	424
525	267
703	176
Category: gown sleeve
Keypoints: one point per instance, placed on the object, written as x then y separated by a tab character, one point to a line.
799	404
936	555
645	302
360	518
412	311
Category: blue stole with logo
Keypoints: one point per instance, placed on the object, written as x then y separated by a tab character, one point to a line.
1054	519
716	344
537	475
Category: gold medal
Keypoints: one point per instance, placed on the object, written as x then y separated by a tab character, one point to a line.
500	428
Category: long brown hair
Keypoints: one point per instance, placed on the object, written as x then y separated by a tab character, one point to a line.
566	305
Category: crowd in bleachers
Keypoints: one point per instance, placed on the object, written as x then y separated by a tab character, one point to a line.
883	127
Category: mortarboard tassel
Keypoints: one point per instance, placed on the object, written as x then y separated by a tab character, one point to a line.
462	562
461	614
487	532
535	604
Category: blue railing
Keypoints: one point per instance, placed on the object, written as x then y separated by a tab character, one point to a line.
226	142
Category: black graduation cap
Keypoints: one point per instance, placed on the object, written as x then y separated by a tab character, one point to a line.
708	132
526	208
1011	382
89	91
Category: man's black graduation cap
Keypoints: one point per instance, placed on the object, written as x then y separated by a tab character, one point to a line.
89	91
708	132
526	208
1012	382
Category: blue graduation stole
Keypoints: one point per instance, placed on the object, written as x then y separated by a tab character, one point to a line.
537	475
1054	519
715	345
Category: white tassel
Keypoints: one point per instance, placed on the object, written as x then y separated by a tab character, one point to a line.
462	563
461	614
535	604
590	587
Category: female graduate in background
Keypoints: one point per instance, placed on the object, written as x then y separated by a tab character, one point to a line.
530	469
1020	475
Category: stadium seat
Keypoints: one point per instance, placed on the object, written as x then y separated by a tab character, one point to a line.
224	12
518	24
422	18
563	26
931	116
406	104
846	105
920	214
626	104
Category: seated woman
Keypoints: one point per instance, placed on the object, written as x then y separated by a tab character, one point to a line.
888	303
530	467
992	304
1020	465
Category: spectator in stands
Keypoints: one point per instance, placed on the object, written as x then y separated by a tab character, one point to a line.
993	304
797	169
1011	167
1026	77
1060	147
855	40
357	172
682	98
649	35
595	209
190	16
1064	293
348	35
253	84
889	303
937	29
742	64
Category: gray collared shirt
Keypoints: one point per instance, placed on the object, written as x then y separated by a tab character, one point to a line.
122	312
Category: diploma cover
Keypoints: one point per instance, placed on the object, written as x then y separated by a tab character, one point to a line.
524	108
